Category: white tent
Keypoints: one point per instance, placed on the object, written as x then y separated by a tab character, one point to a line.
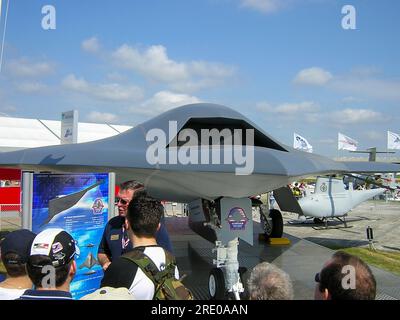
21	133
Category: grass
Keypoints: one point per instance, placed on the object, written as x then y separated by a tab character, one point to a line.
386	260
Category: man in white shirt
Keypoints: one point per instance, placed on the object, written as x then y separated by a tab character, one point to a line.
144	214
15	249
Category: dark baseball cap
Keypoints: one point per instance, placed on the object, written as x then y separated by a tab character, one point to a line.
56	244
19	242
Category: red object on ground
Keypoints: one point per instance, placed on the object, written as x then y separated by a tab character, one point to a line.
9	195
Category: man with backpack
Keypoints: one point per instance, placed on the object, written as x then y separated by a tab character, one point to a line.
148	271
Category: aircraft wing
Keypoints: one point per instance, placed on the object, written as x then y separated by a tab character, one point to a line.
273	164
371	167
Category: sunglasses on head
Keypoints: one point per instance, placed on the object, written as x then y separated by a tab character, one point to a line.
123	201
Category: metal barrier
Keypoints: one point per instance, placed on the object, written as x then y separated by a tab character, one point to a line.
10	216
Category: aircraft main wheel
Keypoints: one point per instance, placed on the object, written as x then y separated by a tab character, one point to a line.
273	227
242	273
216	284
318	221
277	223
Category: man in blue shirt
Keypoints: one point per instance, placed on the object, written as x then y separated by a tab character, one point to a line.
115	241
51	265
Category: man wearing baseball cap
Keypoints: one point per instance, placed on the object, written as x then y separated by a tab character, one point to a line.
51	265
15	249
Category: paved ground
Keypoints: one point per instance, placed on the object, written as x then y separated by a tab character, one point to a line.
383	217
301	260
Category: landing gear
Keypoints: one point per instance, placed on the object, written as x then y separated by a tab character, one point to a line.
318	221
225	279
273	224
216	284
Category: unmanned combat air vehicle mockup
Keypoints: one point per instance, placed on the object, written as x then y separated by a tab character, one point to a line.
208	156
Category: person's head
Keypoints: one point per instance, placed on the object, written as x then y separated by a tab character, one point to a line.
51	262
345	277
144	215
268	282
125	195
15	248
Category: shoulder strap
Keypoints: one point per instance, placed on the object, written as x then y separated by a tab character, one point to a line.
149	268
144	263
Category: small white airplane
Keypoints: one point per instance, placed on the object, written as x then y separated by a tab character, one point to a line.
331	200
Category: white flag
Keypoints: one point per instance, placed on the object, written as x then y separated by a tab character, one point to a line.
301	143
393	141
346	143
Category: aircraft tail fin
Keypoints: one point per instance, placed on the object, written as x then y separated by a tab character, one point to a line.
286	200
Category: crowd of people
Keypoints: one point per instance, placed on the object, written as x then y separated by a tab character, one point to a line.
136	255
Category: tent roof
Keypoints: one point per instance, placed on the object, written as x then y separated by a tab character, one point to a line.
20	133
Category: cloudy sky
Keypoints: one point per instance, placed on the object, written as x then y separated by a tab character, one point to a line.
288	65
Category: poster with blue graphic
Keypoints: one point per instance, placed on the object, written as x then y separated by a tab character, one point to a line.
77	203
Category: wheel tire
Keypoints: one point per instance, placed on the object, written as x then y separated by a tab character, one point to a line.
243	277
277	223
318	221
216	284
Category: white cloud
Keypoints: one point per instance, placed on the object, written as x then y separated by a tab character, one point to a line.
327	141
109	91
31	87
355	116
264	6
289	108
115	76
163	101
313	76
351	99
91	45
375	135
25	68
377	88
154	64
6	109
358	82
102	117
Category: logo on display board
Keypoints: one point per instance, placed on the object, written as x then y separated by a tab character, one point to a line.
97	206
68	133
237	219
323	187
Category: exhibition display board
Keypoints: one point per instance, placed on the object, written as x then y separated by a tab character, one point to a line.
81	204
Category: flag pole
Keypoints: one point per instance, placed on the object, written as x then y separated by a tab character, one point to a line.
4	32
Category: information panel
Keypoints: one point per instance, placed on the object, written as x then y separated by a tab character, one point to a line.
77	203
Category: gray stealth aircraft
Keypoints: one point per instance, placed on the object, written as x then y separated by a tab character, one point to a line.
217	196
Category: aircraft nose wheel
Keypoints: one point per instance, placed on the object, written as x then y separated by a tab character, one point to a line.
216	284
